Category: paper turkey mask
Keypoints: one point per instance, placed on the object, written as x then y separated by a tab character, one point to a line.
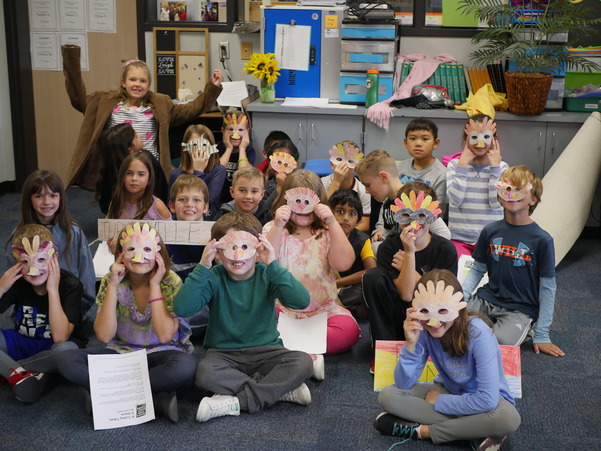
237	123
510	193
35	255
437	304
480	134
239	245
282	162
301	200
198	144
345	153
140	243
417	210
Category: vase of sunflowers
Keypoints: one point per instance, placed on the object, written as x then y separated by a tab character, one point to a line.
264	66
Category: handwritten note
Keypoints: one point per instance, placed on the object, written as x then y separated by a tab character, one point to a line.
171	232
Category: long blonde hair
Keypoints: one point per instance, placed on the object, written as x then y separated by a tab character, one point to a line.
302	178
127	66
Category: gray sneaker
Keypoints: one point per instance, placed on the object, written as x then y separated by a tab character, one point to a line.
300	395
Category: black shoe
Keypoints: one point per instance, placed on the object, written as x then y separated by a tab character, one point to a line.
165	404
388	424
27	386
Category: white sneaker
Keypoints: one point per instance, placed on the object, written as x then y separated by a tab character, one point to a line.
217	406
319	370
300	395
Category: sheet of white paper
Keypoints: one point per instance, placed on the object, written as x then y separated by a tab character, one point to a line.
101	16
292	46
72	14
120	389
103	259
171	232
232	94
80	39
463	267
308	334
43	15
305	101
44	51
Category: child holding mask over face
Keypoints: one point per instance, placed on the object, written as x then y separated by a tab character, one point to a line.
344	157
470	397
310	243
471	182
135	311
235	150
200	157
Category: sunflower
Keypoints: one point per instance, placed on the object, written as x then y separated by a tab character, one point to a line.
263	66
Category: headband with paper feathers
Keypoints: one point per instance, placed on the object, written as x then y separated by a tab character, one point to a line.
415	202
438	294
138	234
346	150
235	119
293	193
34	247
486	124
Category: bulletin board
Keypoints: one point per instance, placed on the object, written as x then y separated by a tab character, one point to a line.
181	59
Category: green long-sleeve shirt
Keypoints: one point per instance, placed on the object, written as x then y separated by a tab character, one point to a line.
242	312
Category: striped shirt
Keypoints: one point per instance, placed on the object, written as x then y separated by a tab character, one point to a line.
472	199
141	119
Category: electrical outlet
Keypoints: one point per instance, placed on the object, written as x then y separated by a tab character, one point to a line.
246	49
224	50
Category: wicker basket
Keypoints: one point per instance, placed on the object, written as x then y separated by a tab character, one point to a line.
527	92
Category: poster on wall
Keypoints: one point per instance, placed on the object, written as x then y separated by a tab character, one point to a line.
43	15
72	14
101	16
44	51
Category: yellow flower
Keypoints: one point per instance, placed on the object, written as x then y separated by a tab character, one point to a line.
263	66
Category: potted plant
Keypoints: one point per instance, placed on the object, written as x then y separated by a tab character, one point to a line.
264	66
534	35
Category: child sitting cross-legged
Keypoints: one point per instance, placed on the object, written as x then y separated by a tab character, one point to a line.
347	209
469	399
47	302
246	365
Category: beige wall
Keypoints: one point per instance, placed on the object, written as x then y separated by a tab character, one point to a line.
57	122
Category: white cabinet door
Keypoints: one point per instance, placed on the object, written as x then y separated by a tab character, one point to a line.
523	143
559	136
295	125
325	131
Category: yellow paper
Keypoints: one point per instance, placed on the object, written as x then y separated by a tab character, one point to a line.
484	101
332	21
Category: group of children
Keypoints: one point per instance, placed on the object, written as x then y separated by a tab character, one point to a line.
285	242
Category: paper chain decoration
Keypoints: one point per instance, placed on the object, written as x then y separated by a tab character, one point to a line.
437	304
345	153
140	239
198	144
282	162
301	200
30	254
417	209
510	193
239	245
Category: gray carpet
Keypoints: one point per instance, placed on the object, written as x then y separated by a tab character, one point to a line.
560	409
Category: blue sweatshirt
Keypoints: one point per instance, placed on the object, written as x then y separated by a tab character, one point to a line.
476	380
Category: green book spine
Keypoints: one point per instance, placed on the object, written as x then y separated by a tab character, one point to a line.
455	70
406	69
462	87
446	79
